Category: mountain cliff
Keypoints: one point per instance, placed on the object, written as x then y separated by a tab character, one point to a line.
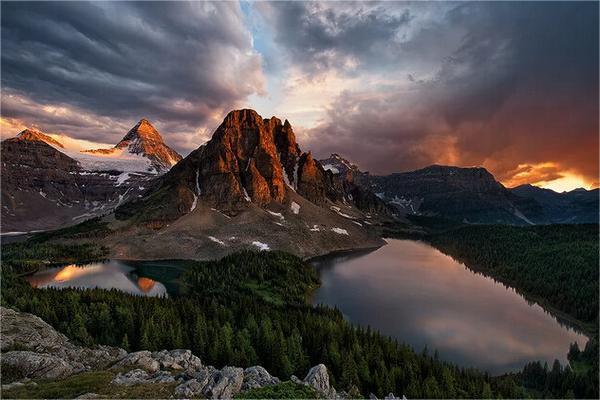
249	185
469	195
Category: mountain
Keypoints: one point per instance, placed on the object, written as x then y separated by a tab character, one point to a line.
249	186
576	206
142	140
45	186
33	135
469	195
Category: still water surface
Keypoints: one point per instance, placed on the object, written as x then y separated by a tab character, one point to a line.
422	297
112	274
406	289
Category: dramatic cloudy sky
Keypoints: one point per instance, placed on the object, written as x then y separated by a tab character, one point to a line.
392	86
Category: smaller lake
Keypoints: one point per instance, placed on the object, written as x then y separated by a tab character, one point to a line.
113	274
413	292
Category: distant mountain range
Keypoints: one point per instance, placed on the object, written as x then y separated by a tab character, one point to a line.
471	195
251	186
45	186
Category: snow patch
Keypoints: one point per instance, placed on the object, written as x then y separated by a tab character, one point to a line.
519	214
330	167
315	228
214	239
261	246
276	214
295	207
198	191
223	214
117	160
340	231
122	178
194	203
246	197
357	223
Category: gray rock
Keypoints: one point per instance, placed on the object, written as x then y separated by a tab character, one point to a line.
179	359
32	365
257	377
26	332
296	380
139	359
224	384
204	375
133	377
189	389
390	396
318	378
21	331
372	396
161	377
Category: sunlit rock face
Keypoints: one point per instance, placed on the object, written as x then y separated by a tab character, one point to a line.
248	159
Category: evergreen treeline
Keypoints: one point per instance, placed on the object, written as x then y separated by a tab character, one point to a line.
250	308
573	380
557	264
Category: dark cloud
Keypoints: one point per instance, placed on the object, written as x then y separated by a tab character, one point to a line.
520	88
320	36
176	63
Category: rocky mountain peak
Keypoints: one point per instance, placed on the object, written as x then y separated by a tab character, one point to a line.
249	159
143	131
34	135
143	139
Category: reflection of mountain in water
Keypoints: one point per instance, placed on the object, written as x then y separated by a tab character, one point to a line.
109	275
145	285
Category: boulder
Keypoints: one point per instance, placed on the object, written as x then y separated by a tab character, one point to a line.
189	389
257	377
28	364
26	332
179	359
140	359
224	383
318	378
161	377
133	377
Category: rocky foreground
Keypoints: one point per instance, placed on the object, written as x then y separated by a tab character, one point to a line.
33	351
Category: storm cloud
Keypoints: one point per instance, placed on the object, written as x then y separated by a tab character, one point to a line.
175	63
517	84
391	85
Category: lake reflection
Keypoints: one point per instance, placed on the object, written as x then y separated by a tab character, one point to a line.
112	274
413	292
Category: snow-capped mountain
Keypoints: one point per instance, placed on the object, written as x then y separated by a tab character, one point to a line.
46	186
142	149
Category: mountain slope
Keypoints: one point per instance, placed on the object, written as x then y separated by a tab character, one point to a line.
250	185
464	194
142	142
45	186
576	206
